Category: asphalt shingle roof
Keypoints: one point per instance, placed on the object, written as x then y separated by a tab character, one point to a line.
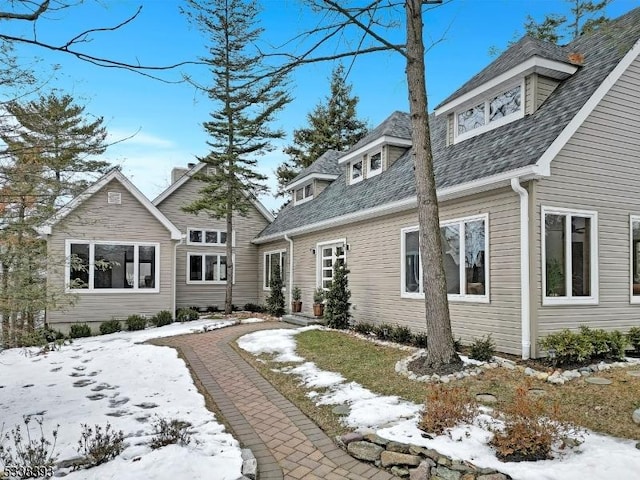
327	163
512	146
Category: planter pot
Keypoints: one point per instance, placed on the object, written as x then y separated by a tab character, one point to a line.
318	309
296	306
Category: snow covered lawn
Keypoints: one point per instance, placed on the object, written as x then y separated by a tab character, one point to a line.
396	419
113	378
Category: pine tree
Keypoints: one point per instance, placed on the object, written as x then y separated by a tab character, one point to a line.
337	305
246	101
332	125
275	300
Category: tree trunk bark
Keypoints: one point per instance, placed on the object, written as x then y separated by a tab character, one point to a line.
440	348
228	300
6	321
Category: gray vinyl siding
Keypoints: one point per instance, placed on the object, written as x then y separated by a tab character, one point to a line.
271	247
394	153
529	93
374	260
598	170
95	219
544	87
246	261
319	186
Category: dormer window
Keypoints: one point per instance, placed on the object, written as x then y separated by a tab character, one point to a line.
491	113
304	194
356	172
374	165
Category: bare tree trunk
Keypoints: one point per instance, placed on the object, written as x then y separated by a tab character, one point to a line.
228	301
6	322
440	349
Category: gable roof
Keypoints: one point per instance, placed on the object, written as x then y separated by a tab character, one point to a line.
497	155
113	174
326	166
187	176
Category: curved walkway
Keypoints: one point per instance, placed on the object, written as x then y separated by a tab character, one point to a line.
285	442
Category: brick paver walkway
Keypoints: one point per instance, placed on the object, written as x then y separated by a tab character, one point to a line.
285	442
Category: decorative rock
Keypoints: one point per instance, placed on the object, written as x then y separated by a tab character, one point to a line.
398	447
373	438
443	461
468	476
388	459
446	474
423	472
598	380
636	416
347	438
341	410
633	373
486	398
493	476
369	452
542	376
458	466
638	445
445	379
249	464
529	371
400	472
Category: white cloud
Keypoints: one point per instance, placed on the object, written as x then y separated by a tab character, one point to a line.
138	139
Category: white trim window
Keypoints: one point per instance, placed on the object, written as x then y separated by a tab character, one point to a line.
328	254
207	268
303	194
112	267
270	260
202	236
374	164
356	173
465	253
569	244
490	113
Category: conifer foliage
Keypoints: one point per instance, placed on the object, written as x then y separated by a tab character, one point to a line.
337	304
275	300
246	99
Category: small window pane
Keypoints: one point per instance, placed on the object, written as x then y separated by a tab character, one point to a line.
376	161
79	266
308	191
146	267
195	267
636	258
210	267
450	237
223	238
300	194
474	241
211	237
505	104
580	256
471	119
326	252
195	236
113	266
356	170
223	268
267	271
554	237
412	262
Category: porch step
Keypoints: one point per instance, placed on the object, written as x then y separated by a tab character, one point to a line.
302	319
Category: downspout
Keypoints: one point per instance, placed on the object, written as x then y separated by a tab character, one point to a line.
525	295
286	237
175	272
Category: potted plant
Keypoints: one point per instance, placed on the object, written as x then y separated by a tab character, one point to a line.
318	306
296	303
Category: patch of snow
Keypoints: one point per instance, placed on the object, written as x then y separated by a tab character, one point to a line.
130	384
252	320
278	342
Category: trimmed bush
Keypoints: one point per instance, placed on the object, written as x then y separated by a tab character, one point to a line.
363	327
275	300
401	334
79	330
213	309
419	340
482	349
136	322
617	343
634	338
187	315
253	307
162	318
337	305
446	407
567	347
110	326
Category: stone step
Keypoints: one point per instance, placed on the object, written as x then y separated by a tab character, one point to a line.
302	319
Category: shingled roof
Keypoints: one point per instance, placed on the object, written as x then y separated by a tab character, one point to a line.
326	164
510	147
396	125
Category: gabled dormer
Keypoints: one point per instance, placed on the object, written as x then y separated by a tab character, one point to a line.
516	84
378	150
311	181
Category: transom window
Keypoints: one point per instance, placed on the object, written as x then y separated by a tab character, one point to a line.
490	113
304	194
569	245
206	268
112	266
329	254
465	255
374	166
271	261
356	172
199	236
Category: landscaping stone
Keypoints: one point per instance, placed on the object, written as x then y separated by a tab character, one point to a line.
634	373
369	452
468	476
347	438
388	459
378	440
529	371
400	472
636	416
486	398
398	447
445	473
598	380
423	472
493	476
341	410
249	464
638	445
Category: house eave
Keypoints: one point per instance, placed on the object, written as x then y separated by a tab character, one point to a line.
383	140
311	176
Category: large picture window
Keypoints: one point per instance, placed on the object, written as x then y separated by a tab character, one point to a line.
207	268
112	266
271	261
465	256
199	236
569	245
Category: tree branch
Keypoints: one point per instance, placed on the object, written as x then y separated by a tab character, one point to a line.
43	7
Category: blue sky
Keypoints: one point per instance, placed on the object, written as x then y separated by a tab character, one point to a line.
168	117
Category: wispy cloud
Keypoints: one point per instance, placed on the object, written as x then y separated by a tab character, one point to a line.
138	138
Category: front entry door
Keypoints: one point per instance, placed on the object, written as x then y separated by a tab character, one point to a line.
329	254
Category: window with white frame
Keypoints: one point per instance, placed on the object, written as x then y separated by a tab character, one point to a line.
206	268
374	164
200	236
465	257
635	258
112	266
329	254
271	261
304	194
569	251
490	113
355	172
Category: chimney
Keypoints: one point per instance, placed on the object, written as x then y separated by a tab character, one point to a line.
176	173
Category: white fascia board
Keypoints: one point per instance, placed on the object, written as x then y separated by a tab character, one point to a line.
523	69
384	140
469	188
545	160
311	176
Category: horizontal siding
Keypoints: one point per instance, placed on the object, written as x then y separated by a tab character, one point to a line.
95	219
269	247
246	258
598	170
374	263
544	87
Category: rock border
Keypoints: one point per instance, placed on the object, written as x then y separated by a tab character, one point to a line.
411	461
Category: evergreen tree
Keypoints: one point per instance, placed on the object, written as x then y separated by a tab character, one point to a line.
275	300
337	305
246	100
332	125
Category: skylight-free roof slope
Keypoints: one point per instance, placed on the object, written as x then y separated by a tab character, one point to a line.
326	164
395	125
